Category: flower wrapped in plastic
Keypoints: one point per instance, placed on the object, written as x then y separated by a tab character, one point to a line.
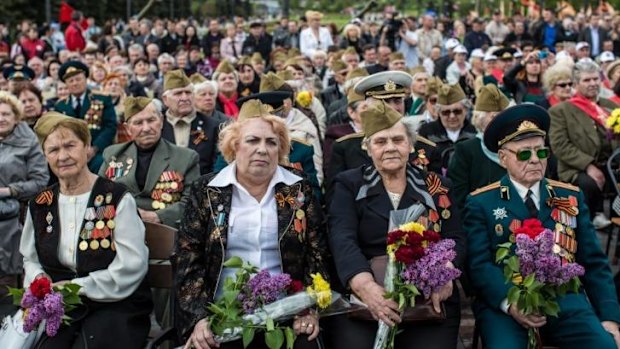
259	301
539	272
419	263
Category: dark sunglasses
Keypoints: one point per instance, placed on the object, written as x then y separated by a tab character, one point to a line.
432	100
564	84
447	112
526	154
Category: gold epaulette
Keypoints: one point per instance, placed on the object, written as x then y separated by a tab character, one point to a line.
486	188
299	140
425	141
350	136
563	185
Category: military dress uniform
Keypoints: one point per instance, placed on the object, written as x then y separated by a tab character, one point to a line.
94	108
494	212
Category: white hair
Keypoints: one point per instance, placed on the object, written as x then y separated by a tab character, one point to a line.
206	84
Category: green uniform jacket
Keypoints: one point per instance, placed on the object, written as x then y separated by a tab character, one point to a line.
487	226
574	138
470	169
102	137
167	157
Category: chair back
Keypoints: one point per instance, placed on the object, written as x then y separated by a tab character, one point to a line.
160	241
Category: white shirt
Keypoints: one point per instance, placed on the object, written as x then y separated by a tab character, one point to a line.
74	100
252	225
123	275
453	135
182	128
523	192
308	43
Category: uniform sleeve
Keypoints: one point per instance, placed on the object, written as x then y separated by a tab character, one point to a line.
172	214
108	128
129	267
486	276
598	280
561	142
343	230
27	248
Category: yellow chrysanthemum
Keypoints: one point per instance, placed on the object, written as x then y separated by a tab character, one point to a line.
304	98
391	249
616	113
321	290
611	121
517	279
412	227
617	129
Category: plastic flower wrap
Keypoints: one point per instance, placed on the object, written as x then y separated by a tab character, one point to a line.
537	272
258	301
418	260
42	302
304	98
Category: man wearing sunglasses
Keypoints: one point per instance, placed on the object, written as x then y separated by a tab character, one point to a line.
580	138
492	214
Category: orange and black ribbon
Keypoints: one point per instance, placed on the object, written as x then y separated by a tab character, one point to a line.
434	185
563	204
282	200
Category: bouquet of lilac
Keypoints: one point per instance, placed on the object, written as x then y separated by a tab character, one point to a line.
538	272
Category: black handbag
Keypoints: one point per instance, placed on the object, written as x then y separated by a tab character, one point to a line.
9	208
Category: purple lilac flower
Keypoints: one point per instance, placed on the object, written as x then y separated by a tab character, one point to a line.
430	272
262	289
35	314
53	303
537	256
28	299
53	324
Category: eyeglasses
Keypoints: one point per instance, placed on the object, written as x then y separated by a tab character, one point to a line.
526	154
447	112
564	84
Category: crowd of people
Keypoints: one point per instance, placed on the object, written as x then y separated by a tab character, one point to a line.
290	147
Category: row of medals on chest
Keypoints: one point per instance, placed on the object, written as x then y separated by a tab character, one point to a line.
167	190
94	115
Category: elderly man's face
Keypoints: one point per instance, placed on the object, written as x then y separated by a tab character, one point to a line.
165	66
227	83
352	60
389	149
418	85
145	127
76	84
589	85
257	151
452	116
205	100
180	101
526	172
398	103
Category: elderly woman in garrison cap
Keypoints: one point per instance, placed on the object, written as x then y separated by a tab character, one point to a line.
361	202
473	166
86	230
156	172
254	201
451	127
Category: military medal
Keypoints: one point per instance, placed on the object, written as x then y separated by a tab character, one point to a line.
174	185
105	243
49	219
300	221
83	245
436	227
108	198
444	202
499	229
433	216
98	200
129	163
94	245
500	213
514	225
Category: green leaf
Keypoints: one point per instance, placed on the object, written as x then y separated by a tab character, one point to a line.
508	274
501	254
513	264
274	339
18	294
551	308
270	325
506	245
290	337
401	301
216	309
529	280
248	335
234	262
513	295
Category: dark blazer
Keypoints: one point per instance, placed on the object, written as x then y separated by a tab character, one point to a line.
359	216
104	135
347	153
330	95
470	169
207	147
201	245
586	35
439	156
486	229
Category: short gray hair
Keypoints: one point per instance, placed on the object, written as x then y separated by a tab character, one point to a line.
165	56
584	66
206	84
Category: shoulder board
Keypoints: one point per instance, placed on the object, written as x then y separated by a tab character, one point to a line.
486	188
562	185
425	141
350	136
299	140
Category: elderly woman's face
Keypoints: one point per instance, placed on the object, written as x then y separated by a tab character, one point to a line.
452	116
32	104
227	82
257	151
205	99
390	148
563	89
113	87
8	119
66	154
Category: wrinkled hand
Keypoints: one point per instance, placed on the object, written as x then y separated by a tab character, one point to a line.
597	175
382	309
441	295
527	321
201	337
149	216
612	328
307	324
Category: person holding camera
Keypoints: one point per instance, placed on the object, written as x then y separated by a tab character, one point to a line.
524	80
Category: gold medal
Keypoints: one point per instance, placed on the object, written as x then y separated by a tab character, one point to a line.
105	243
300	214
436	227
83	245
111	224
556	248
94	244
445	214
166	197
113	246
100	225
162	205
174	185
155	205
499	230
512	238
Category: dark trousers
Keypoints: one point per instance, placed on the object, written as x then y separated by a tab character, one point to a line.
592	193
259	343
346	332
